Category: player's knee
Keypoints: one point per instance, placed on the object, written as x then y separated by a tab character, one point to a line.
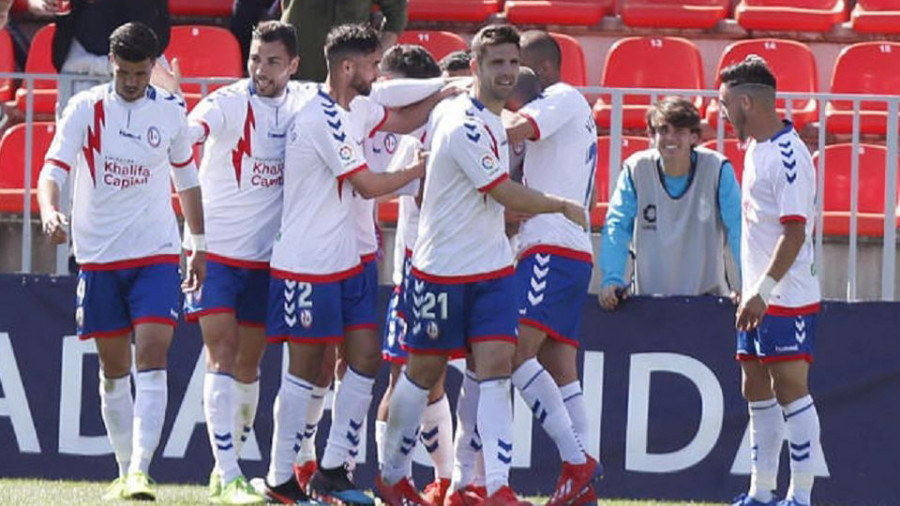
788	390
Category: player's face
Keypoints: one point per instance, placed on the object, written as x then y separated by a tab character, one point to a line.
731	104
674	143
131	78
270	67
364	69
497	71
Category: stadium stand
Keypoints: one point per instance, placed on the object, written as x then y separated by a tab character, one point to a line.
876	16
7	64
648	62
734	150
438	43
630	145
700	14
40	61
865	67
208	8
790	15
572	69
870	190
557	12
12	164
795	69
193	45
458	11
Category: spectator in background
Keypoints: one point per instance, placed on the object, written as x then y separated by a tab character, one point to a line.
83	27
247	14
456	64
314	18
5	6
674	198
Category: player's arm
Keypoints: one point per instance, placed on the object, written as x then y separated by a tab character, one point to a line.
374	184
518	127
615	239
525	200
403	120
187	185
205	119
53	222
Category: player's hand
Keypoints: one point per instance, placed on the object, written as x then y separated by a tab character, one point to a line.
55	226
196	272
750	313
167	79
610	296
735	297
418	164
455	87
576	213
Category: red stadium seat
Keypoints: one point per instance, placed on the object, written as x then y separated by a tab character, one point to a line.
439	44
629	146
193	45
388	211
734	150
702	14
870	203
866	67
794	66
876	16
209	8
790	15
39	61
460	11
648	62
12	164
557	12
7	64
573	69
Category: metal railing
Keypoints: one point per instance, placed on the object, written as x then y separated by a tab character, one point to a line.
616	101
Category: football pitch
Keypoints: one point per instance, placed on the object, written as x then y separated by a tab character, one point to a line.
51	492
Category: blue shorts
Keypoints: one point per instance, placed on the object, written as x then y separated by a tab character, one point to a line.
110	303
779	339
446	318
394	329
552	292
361	298
231	289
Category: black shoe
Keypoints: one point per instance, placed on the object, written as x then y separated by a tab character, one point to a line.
334	486
288	492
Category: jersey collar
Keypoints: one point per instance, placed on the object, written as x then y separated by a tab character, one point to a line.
788	126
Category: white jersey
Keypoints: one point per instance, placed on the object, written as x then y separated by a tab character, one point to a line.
779	186
408	210
241	169
368	117
121	154
461	228
561	160
317	240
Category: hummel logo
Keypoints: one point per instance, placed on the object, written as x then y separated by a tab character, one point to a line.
542	259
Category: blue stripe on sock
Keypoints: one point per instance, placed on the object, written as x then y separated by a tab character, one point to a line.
292	381
801	410
530	381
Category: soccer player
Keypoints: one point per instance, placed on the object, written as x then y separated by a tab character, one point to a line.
317	288
463	288
555	262
121	142
776	319
243	126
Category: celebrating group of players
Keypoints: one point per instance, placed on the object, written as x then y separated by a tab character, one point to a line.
283	245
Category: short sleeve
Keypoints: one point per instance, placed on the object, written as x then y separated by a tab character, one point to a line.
181	151
405	154
547	113
372	114
70	132
794	184
337	148
210	114
475	149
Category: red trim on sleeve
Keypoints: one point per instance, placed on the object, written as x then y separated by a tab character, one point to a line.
349	173
467	278
550	249
235	262
490	186
793	311
183	164
793	217
59	163
537	129
318	278
131	263
205	126
380	123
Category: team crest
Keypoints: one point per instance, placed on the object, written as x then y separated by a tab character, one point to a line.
432	330
306	318
345	152
390	143
489	163
153	136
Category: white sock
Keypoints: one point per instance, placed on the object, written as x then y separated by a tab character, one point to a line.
574	402
351	405
218	408
314	411
408	401
117	410
804	445
766	438
468	466
380	429
290	409
246	399
151	396
495	427
542	395
437	436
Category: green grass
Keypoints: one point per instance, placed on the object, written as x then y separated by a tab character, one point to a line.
49	492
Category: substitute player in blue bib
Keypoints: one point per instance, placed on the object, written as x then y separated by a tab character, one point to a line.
463	289
776	320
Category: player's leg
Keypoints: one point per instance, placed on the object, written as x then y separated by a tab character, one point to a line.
467	484
392	353
305	463
436	435
381	416
559	358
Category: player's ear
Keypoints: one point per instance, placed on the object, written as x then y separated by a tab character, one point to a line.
294	65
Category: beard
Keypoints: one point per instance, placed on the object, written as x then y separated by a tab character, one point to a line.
361	86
